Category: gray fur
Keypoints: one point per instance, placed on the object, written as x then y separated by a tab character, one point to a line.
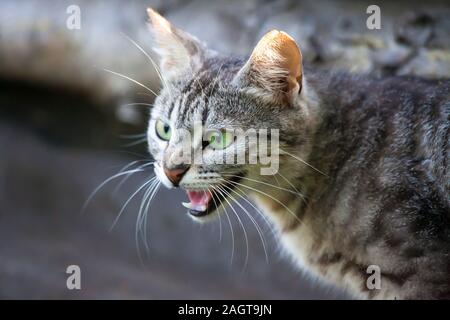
376	189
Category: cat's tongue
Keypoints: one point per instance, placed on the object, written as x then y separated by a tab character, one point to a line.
199	200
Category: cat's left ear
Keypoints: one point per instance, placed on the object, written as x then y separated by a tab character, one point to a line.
179	51
274	69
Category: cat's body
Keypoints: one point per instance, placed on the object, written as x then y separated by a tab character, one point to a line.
363	179
385	201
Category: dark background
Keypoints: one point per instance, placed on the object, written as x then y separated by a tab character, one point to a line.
65	125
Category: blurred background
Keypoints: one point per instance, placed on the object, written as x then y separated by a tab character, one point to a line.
66	125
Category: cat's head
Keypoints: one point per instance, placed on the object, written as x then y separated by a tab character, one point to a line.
223	96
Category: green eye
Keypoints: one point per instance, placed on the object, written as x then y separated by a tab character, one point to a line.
219	139
163	130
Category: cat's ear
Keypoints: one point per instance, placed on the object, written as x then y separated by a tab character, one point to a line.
274	68
179	51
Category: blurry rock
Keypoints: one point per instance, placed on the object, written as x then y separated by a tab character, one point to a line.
428	63
52	145
389	60
36	46
416	28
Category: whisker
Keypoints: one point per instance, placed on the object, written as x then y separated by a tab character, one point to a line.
134	143
91	196
201	87
261	214
137	104
258	229
130	79
217	77
146	212
268	195
133	136
155	66
304	162
239	220
276	179
220	220
146	195
128	201
128	165
265	183
292	185
230	224
117	188
141	208
215	81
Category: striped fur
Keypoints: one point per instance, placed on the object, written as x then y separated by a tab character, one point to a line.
369	156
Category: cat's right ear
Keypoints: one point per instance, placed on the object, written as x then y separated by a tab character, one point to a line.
274	69
179	51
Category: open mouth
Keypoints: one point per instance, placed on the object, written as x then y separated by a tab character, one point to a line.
204	202
200	202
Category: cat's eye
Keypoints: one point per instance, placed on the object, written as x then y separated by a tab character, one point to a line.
219	139
163	130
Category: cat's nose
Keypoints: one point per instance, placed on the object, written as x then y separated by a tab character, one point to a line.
176	174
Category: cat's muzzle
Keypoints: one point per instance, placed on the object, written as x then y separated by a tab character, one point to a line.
204	202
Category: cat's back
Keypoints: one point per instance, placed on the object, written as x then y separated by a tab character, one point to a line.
398	125
385	144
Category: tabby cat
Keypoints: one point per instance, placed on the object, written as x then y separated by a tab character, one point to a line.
366	157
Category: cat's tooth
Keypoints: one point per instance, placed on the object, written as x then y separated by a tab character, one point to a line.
200	208
190	206
187	205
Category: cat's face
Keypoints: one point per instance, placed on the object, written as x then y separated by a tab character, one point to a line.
207	101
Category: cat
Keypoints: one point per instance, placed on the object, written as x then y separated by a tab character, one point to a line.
363	176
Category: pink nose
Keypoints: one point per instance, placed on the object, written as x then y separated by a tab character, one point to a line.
176	174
